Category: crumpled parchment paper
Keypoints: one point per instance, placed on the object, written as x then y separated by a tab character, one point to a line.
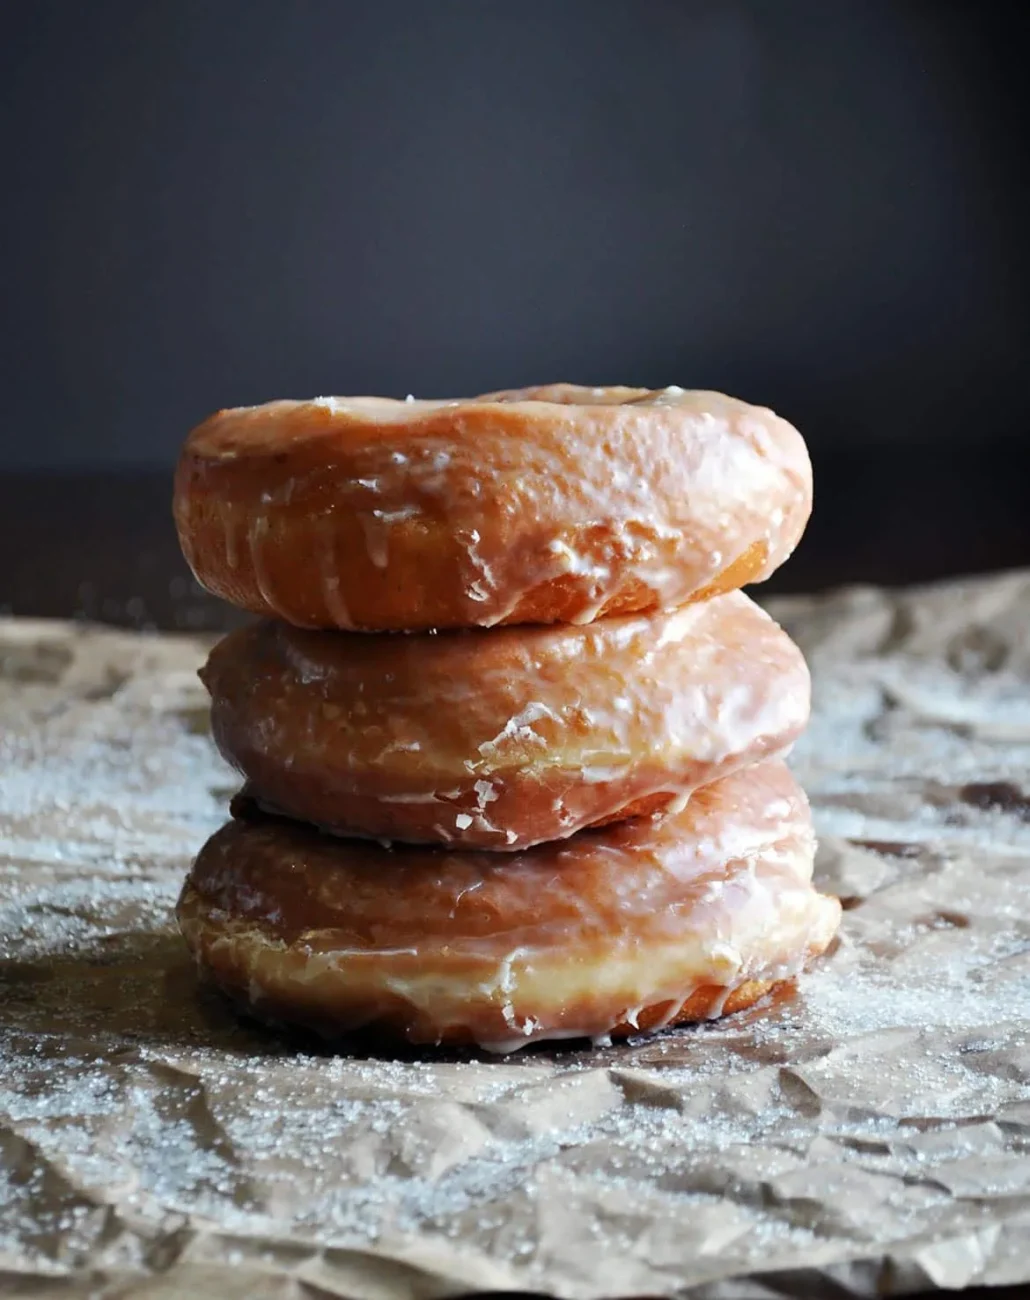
870	1133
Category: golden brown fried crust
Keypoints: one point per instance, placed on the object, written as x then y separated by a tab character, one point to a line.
547	505
647	922
504	738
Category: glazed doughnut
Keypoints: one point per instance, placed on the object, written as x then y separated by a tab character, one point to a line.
555	504
643	924
501	739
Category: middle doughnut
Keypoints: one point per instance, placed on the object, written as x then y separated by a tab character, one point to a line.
504	738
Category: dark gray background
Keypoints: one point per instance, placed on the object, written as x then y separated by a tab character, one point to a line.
818	204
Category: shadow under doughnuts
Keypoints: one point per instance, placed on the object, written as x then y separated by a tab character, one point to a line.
140	989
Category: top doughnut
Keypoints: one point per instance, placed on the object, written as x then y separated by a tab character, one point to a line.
536	505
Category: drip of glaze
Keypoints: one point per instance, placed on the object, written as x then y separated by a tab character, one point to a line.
376	525
334	600
673	1008
377	544
719	1002
232	555
256	535
480	587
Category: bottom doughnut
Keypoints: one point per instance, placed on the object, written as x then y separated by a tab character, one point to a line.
640	925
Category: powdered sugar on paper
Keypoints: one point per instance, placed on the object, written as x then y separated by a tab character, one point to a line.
873	1128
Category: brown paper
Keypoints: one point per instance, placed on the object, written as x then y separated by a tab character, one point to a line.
873	1130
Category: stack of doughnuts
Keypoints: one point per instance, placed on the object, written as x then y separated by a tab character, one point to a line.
511	736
